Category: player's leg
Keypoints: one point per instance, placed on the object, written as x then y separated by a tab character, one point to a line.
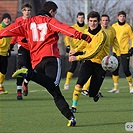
52	68
85	90
115	77
3	70
98	75
50	84
21	61
125	58
70	74
29	66
84	74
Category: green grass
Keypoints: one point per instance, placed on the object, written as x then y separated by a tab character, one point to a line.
37	113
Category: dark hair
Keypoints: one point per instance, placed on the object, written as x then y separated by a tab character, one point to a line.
121	13
105	15
6	15
80	14
94	14
26	5
50	5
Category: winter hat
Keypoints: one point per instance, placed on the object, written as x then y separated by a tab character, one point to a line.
6	15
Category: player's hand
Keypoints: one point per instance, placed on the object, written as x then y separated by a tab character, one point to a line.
67	49
130	52
72	52
9	53
72	58
11	47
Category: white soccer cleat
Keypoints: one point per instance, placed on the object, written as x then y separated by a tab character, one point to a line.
114	91
131	91
66	86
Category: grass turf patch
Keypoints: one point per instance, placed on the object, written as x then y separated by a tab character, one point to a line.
37	113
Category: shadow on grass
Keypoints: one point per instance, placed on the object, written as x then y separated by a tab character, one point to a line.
101	124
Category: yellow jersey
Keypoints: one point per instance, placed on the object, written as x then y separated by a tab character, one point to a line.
123	34
4	44
73	43
113	40
97	49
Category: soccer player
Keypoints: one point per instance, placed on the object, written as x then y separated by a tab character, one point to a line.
96	50
4	51
23	58
113	42
42	34
123	34
72	43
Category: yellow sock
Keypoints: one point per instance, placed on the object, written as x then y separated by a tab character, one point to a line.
129	79
86	86
115	79
68	77
76	95
2	77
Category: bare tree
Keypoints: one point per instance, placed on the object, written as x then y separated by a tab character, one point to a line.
68	10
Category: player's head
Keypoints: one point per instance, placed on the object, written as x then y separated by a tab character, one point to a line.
50	7
121	16
80	17
104	21
93	20
26	10
6	19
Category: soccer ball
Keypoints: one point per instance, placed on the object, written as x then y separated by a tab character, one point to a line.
109	63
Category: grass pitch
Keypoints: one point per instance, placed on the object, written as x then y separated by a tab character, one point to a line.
37	113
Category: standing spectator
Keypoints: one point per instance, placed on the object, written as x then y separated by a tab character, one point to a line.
23	58
42	34
4	51
123	34
72	43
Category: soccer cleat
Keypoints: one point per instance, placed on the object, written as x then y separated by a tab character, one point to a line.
100	94
20	73
131	91
19	95
96	98
114	91
66	86
25	89
73	110
71	123
85	92
2	90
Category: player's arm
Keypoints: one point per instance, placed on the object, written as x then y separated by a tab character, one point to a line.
115	43
15	29
67	30
67	43
131	37
92	50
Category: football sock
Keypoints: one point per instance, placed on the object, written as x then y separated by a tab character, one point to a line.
86	86
76	94
115	79
129	79
2	77
68	77
19	87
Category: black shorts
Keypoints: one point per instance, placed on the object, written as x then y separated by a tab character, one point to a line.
50	66
24	58
95	71
3	64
